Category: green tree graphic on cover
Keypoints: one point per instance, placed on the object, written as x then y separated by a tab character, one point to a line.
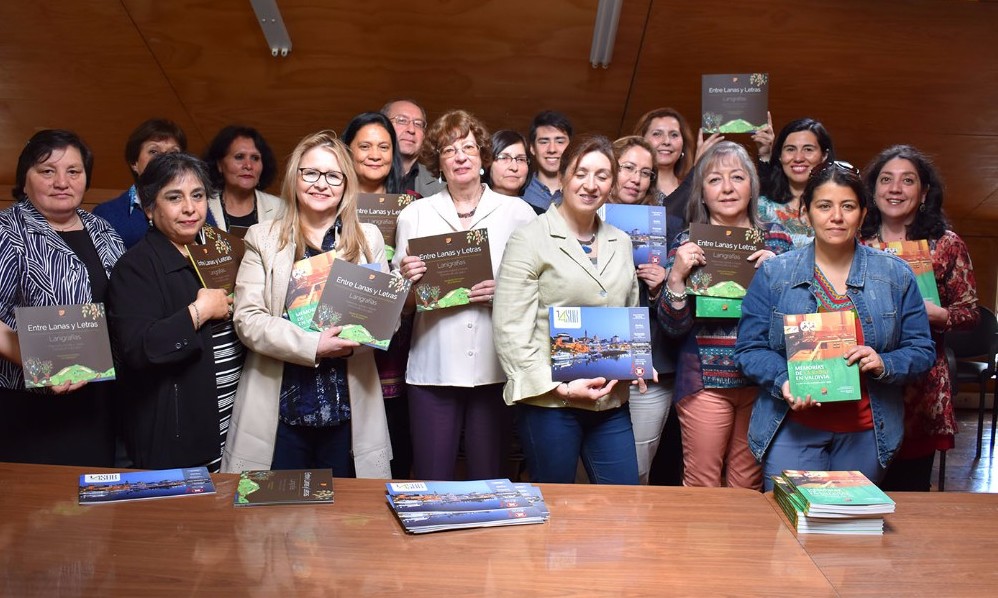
428	295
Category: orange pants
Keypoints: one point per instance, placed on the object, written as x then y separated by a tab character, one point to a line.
715	425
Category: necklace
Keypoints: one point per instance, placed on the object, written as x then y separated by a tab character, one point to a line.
467	214
587	246
481	191
67	227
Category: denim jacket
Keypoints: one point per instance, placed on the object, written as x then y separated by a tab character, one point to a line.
890	309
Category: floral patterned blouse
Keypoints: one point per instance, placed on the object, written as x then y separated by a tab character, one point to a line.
771	211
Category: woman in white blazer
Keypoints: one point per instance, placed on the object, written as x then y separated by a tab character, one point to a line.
241	165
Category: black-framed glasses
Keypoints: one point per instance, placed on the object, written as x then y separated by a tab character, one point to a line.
632	168
505	159
840	165
310	175
468	149
404	121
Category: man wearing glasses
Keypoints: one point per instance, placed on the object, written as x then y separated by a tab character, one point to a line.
409	120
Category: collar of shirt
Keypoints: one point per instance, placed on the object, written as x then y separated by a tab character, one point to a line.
133	200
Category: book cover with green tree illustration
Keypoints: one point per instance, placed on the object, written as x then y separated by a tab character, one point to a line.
64	343
284	487
734	103
816	345
382	210
308	278
366	302
722	282
455	262
918	255
217	260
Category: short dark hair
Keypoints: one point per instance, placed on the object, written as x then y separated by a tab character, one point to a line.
776	187
930	221
393	184
40	147
219	147
840	173
154	129
550	118
449	127
684	164
502	139
165	168
587	144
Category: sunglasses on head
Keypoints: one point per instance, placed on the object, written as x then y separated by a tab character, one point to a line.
837	164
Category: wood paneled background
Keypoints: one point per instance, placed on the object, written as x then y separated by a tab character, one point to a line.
876	73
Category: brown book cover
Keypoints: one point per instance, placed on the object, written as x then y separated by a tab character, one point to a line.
727	272
734	103
308	278
216	261
364	301
382	210
284	487
64	343
455	262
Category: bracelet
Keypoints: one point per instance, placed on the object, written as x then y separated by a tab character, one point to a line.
197	315
674	297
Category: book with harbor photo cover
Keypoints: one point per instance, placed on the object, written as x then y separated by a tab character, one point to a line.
308	278
64	343
96	488
424	507
593	342
455	262
366	302
816	344
794	507
735	103
919	257
284	487
646	227
382	210
722	282
838	492
217	260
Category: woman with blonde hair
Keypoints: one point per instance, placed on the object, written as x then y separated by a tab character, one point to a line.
306	399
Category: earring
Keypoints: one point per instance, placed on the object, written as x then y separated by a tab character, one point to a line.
921	207
481	172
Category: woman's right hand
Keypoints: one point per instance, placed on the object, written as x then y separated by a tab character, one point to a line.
688	256
797	403
331	345
412	268
585	389
213	304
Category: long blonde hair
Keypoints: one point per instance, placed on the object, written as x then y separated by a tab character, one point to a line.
351	241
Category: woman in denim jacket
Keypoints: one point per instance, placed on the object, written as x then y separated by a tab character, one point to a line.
834	273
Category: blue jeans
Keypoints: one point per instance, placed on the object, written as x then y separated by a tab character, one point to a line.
305	447
800	447
554	439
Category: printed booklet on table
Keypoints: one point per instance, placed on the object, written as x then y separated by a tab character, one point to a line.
98	488
284	487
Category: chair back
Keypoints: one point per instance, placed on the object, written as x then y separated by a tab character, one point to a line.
981	342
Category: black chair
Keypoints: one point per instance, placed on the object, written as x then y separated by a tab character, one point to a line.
976	352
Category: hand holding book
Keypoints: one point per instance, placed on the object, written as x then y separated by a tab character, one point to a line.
584	389
797	403
210	304
869	361
331	345
482	292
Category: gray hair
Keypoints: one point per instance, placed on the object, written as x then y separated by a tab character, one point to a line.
696	210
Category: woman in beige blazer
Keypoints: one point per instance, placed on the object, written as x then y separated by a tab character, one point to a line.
306	399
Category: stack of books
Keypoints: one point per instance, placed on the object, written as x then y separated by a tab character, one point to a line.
832	502
424	507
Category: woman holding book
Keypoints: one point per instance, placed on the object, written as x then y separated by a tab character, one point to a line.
712	397
907	206
894	347
306	399
800	146
52	253
178	356
567	257
453	374
241	165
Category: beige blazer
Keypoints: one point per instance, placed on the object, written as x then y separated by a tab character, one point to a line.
261	290
545	266
268	207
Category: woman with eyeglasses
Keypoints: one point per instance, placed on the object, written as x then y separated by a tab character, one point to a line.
241	165
306	399
455	381
510	168
834	273
800	146
908	205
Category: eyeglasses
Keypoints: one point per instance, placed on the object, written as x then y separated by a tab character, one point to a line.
468	149
631	168
505	159
310	175
837	164
405	121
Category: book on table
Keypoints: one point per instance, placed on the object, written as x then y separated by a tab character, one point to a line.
592	342
98	488
919	256
646	227
216	261
816	345
455	262
64	343
424	507
721	283
308	279
366	302
838	492
794	507
284	487
734	103
382	210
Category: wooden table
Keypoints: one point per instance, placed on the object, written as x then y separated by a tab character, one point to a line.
601	540
936	544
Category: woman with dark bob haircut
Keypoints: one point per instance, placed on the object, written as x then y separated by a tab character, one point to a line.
241	166
52	253
454	377
908	206
800	146
835	273
177	353
511	167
